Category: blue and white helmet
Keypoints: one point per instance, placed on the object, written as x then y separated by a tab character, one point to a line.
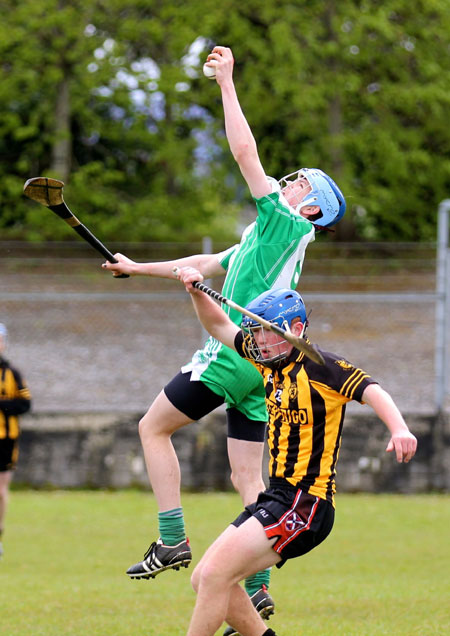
324	192
280	307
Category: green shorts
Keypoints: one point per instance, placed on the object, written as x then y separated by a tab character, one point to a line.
237	380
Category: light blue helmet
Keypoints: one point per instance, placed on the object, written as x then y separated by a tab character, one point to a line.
324	192
280	307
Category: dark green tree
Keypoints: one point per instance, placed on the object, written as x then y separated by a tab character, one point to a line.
109	97
97	94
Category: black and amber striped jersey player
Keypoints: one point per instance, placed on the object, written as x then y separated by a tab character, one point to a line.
306	405
305	401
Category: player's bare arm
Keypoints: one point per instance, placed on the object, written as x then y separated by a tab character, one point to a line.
402	441
212	317
207	264
240	137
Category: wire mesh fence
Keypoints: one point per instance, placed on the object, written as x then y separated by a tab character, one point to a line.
88	342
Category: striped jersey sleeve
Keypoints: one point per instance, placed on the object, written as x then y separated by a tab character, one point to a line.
341	376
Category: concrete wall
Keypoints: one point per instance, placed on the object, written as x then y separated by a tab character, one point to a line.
101	450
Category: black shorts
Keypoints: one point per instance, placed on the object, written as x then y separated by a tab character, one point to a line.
9	454
196	400
298	520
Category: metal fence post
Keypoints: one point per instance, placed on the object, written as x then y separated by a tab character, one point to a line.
442	305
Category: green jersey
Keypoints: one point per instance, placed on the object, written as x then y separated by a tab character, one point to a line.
269	256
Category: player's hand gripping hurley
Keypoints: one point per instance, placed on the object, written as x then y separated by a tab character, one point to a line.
309	350
49	192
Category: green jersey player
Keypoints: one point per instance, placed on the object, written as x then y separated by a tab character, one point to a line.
270	254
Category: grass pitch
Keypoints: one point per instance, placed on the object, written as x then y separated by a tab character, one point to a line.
383	570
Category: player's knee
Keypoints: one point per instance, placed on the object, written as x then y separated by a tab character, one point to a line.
241	480
162	419
150	426
195	578
247	485
144	422
234	477
209	577
144	428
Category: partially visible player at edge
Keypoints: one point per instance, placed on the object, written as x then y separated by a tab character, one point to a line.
15	399
306	404
270	254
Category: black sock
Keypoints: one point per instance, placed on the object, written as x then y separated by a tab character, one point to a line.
269	632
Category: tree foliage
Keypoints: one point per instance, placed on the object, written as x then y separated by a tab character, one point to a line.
109	96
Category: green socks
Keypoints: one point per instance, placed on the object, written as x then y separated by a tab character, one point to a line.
171	526
256	581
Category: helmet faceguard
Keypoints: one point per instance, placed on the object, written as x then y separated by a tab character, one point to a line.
279	307
263	350
324	192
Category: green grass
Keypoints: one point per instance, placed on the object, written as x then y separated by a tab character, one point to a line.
383	570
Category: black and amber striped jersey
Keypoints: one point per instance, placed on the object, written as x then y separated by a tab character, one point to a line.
15	399
306	406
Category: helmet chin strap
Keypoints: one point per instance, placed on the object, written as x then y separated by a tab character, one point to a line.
288	329
308	201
